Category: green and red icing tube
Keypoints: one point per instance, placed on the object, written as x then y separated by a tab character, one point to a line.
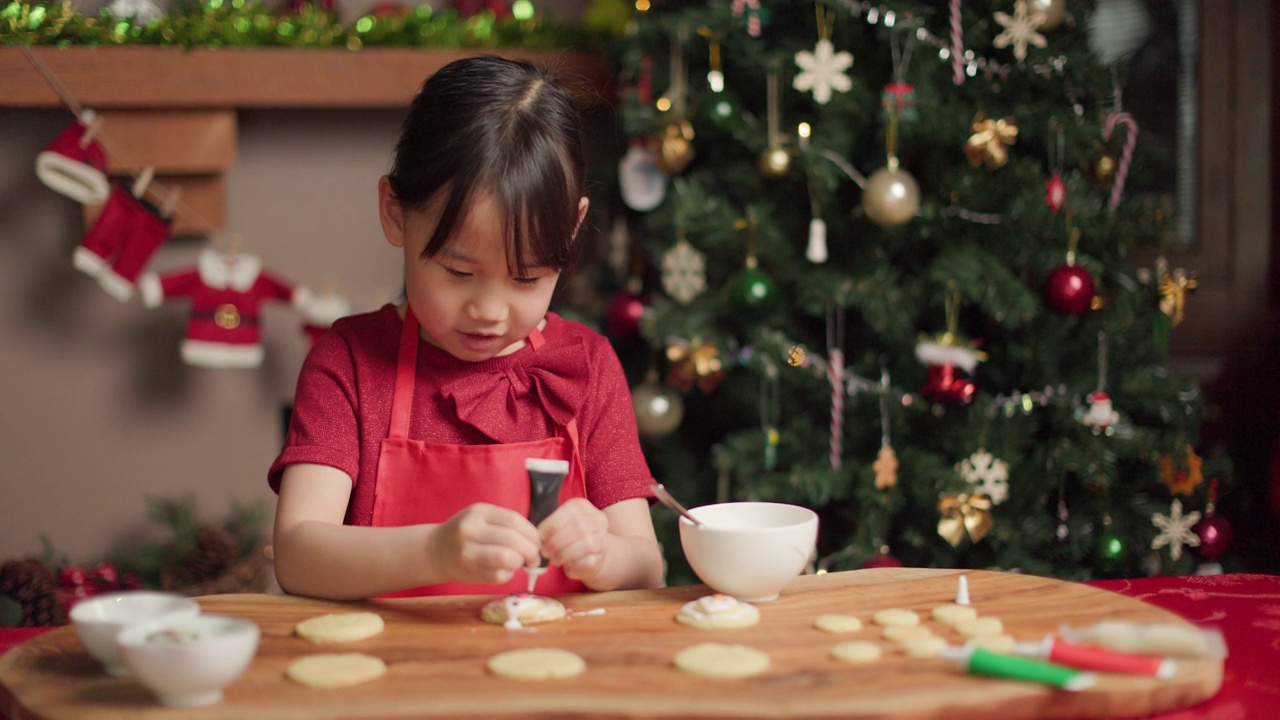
978	661
1090	657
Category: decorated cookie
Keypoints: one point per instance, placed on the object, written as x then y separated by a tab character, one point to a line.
718	611
516	611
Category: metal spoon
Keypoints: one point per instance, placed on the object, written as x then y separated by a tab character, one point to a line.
666	498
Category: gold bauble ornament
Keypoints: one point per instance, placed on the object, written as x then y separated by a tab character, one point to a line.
891	196
1104	168
659	408
775	163
1053	11
675	148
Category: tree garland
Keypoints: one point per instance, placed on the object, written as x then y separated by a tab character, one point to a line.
246	23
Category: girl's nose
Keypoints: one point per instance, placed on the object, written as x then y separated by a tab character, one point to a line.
487	306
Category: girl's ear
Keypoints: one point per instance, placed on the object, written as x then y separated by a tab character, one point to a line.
583	203
391	212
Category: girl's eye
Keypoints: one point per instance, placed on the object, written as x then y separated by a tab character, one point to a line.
456	273
527	280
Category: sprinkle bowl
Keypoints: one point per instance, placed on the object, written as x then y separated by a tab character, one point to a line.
749	550
188	661
99	619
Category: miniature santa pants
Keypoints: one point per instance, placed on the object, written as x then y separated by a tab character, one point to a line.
121	242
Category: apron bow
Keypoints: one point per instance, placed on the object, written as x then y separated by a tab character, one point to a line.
556	374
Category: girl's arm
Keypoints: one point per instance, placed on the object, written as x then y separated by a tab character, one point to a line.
316	555
613	549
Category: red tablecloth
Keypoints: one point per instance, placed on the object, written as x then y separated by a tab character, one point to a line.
1246	608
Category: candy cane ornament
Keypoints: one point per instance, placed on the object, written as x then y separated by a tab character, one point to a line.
1126	155
957	44
835	373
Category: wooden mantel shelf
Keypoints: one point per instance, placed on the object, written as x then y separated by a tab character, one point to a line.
146	77
175	110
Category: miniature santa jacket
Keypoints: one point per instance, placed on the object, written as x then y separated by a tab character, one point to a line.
227	291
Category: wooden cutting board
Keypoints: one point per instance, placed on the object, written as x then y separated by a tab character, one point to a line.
435	649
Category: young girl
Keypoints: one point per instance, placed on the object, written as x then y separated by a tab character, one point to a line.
404	467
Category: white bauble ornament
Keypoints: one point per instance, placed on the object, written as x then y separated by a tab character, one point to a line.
891	196
1054	12
642	181
659	408
816	251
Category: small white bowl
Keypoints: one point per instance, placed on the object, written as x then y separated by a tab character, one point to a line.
749	550
99	619
187	662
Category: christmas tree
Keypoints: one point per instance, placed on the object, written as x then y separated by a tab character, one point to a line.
902	263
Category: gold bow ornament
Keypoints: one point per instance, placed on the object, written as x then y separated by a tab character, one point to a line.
694	362
1174	287
989	141
964	514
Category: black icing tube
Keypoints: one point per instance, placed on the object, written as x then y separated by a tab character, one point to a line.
545	477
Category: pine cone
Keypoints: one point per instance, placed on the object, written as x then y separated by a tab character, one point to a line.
32	586
213	552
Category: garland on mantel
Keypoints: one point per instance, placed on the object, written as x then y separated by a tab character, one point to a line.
244	23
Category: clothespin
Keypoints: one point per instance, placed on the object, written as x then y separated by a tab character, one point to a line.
141	184
91	128
171	203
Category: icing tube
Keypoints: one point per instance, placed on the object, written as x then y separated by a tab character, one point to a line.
1088	657
1176	639
545	476
977	661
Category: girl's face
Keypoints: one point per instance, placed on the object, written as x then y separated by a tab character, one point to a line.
467	301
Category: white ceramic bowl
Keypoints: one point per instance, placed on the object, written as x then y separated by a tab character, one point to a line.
749	550
99	619
187	662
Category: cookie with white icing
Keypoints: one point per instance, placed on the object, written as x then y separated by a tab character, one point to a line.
516	611
713	612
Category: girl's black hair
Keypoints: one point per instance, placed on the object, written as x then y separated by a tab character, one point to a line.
504	126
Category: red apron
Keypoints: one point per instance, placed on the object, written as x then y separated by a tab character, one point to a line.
427	482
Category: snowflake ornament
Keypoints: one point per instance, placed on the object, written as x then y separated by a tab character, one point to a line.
989	475
684	272
823	71
1175	530
1020	30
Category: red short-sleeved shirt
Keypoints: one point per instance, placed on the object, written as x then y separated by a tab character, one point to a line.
342	408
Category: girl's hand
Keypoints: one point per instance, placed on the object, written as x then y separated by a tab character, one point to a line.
576	537
484	543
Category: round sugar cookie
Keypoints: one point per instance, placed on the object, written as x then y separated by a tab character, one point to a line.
856	651
950	614
898	633
536	664
331	670
980	626
717	660
837	624
998	643
713	612
896	616
922	647
340	627
529	609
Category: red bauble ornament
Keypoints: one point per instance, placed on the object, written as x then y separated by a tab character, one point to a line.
1070	289
623	316
1215	536
945	385
1055	192
389	10
73	576
104	575
882	559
